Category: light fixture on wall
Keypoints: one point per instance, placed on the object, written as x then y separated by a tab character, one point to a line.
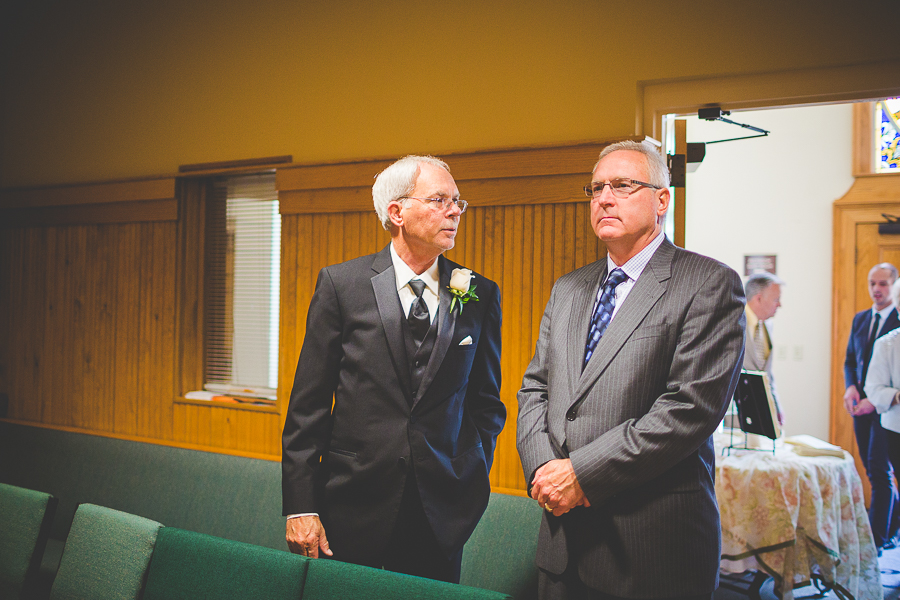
892	227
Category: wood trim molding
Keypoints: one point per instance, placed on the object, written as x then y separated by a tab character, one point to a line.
93	193
90	214
147	440
559	171
863	139
848	83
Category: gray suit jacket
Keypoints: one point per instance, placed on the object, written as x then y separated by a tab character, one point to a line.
637	423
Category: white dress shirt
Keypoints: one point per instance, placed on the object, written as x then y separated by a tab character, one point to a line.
632	269
404	275
883	379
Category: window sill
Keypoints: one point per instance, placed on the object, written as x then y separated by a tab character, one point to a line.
237	404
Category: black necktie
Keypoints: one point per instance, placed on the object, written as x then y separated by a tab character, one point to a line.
419	319
870	344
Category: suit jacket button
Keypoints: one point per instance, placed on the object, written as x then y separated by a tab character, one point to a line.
570	416
401	462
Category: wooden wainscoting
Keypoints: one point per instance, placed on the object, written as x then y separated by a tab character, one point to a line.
101	287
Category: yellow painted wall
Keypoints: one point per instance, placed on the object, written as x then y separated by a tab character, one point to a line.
116	89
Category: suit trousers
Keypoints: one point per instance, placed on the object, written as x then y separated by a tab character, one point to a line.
569	586
884	512
413	548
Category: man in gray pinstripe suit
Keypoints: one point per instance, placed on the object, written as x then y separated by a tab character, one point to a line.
637	358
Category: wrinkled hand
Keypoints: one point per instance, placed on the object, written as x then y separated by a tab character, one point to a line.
306	536
863	407
555	487
851	399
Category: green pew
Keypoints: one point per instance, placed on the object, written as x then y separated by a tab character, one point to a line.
25	518
106	555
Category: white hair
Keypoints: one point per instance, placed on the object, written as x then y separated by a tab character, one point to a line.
758	282
657	171
397	181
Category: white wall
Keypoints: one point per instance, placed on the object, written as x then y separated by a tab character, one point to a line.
774	195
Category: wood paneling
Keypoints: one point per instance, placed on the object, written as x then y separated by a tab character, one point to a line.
103	321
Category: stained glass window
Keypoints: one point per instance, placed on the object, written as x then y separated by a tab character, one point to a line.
887	135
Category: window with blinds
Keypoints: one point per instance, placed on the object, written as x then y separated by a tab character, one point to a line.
242	286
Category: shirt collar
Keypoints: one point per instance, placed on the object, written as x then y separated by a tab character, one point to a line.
404	274
636	264
884	312
752	319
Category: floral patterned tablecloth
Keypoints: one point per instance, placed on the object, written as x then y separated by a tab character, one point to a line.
797	517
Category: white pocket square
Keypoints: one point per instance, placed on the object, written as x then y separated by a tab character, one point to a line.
467	341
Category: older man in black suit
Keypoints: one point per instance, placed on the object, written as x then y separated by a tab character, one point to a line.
638	356
408	345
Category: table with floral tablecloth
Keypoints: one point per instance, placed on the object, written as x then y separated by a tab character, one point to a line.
796	518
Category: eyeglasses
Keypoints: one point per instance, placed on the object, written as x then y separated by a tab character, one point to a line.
442	203
621	187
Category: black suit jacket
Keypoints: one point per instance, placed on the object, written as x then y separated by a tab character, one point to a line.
856	361
350	463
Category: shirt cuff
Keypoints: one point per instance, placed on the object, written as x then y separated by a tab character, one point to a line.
289	517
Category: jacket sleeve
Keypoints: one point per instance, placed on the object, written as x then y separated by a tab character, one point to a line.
532	433
483	394
883	376
850	360
307	428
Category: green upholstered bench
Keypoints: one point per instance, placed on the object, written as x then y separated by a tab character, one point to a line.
106	555
188	565
500	554
327	579
225	496
25	519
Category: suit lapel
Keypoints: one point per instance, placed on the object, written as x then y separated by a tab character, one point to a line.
580	319
648	289
890	323
385	285
446	327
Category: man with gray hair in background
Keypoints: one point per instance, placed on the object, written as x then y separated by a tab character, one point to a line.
763	292
395	409
868	326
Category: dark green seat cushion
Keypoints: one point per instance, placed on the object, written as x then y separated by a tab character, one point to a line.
25	519
327	579
188	565
106	555
500	554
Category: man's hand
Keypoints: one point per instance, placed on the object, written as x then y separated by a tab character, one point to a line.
306	536
555	487
863	407
851	399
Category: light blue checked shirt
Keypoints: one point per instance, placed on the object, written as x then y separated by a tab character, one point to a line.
633	269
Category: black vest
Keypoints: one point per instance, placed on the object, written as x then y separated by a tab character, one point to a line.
418	355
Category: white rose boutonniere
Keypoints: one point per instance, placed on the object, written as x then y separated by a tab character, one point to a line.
461	287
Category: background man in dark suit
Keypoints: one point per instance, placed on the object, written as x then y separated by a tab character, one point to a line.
397	471
637	359
869	325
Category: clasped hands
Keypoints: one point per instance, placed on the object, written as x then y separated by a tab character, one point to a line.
855	405
556	488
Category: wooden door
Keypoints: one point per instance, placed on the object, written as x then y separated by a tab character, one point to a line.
857	247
